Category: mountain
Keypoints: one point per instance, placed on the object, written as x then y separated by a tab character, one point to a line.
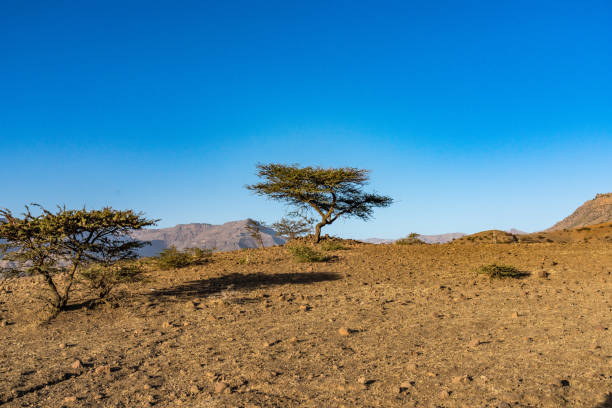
226	237
428	239
595	211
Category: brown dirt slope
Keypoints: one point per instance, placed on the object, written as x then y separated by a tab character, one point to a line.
379	326
595	211
490	237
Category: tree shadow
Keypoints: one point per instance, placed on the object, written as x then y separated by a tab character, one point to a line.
607	403
205	287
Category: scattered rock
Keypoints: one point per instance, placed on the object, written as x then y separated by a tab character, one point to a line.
304	308
407	384
515	315
77	364
102	370
344	331
194	389
362	380
474	343
411	366
70	399
444	394
62	345
220	387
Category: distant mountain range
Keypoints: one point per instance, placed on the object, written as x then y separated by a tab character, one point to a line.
595	211
226	237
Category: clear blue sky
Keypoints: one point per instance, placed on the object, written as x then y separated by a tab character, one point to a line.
471	114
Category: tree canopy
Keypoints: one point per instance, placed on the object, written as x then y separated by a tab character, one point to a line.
66	240
331	193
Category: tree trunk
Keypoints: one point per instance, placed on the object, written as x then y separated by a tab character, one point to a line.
318	231
57	301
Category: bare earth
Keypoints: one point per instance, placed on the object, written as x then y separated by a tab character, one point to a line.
255	329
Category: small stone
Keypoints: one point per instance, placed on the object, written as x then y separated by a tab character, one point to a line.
411	366
362	380
146	387
444	394
166	325
62	345
102	370
407	384
194	389
220	387
77	364
304	308
70	399
396	390
3	323
293	339
343	331
515	315
474	343
211	318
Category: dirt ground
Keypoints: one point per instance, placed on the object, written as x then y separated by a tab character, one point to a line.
378	326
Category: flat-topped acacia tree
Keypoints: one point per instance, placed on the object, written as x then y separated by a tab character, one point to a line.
331	193
58	244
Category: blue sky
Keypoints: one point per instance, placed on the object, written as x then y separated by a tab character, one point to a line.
473	115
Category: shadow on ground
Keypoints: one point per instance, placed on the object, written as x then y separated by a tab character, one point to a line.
204	287
607	403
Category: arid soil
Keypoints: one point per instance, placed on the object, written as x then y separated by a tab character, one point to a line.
378	326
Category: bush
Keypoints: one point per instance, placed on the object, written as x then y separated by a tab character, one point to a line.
411	239
495	271
303	253
172	258
331	246
101	279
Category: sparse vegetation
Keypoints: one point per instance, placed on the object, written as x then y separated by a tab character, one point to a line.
55	245
331	193
254	228
331	246
293	228
411	239
495	271
304	253
172	258
102	279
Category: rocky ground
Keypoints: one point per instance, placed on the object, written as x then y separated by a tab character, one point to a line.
378	326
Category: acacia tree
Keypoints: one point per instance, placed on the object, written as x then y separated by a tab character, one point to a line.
293	228
331	193
58	244
254	228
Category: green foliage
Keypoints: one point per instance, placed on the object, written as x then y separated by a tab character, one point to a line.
495	271
172	258
101	278
65	241
303	253
411	239
331	193
293	228
331	246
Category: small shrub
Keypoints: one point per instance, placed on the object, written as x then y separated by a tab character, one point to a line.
303	253
495	271
172	258
331	246
101	279
411	239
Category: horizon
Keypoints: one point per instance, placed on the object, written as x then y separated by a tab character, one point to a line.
472	117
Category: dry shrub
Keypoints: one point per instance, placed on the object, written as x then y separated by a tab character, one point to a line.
172	258
495	271
303	253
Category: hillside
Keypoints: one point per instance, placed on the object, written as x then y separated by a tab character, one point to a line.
595	211
377	326
226	237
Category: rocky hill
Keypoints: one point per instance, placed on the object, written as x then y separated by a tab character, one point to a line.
595	211
226	237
